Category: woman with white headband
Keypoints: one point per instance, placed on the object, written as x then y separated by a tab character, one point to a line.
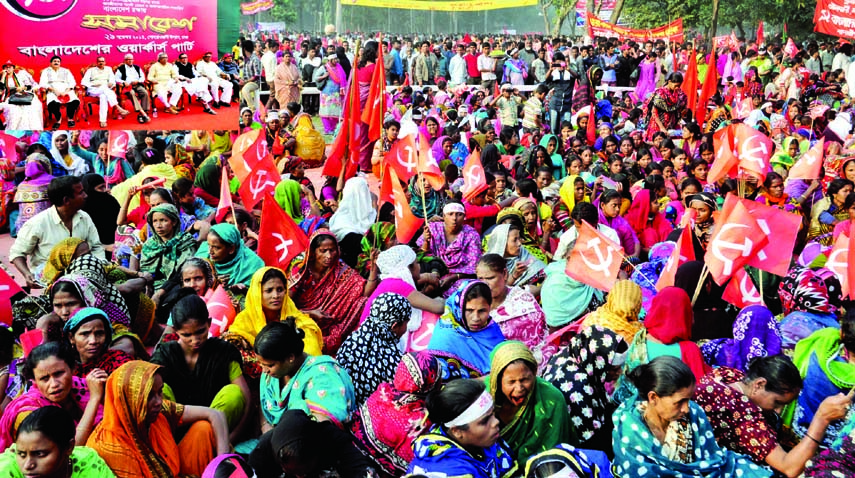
458	245
465	439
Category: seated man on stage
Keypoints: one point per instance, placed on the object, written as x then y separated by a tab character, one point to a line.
131	80
195	84
164	79
59	83
232	71
99	82
216	79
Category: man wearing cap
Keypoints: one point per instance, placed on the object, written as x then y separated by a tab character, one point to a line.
194	83
99	82
131	79
217	80
164	79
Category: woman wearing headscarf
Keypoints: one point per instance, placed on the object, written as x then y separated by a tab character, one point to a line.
66	156
456	244
355	214
649	231
431	201
620	312
755	334
137	435
581	370
665	106
572	191
102	207
386	425
331	292
234	263
523	268
113	169
810	303
288	194
465	334
565	300
17	83
168	248
31	195
586	90
513	215
773	195
531	412
370	354
84	330
826	213
333	79
712	319
380	236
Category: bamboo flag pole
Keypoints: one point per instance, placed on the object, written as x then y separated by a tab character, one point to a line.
351	98
704	273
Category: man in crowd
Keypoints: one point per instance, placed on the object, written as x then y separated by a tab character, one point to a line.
487	68
250	75
131	80
457	70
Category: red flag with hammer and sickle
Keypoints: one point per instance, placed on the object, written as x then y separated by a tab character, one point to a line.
403	158
741	291
406	223
595	260
280	239
261	180
474	179
733	244
809	166
117	143
221	310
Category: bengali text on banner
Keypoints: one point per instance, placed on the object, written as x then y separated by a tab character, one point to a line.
835	17
670	32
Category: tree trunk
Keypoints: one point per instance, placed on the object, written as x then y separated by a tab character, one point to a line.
545	19
741	31
713	21
617	12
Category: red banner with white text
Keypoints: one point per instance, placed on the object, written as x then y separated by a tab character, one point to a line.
835	17
672	32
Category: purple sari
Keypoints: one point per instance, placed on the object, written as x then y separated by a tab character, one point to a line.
755	334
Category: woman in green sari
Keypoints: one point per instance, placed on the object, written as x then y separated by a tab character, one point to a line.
550	142
169	246
234	263
531	411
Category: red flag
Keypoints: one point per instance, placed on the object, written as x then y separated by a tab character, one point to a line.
683	252
246	152
474	179
8	146
346	141
734	42
386	193
262	180
280	239
375	106
726	163
741	291
791	49
809	166
780	229
225	204
8	286
591	128
406	224
403	157
406	80
595	260
709	88
221	310
754	148
841	261
761	38
428	165
690	82
733	243
117	143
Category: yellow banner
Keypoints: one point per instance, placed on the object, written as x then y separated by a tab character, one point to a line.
442	6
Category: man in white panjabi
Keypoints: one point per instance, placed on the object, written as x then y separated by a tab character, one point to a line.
217	79
195	84
59	84
100	82
164	79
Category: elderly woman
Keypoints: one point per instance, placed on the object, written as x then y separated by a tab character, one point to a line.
168	248
49	367
620	312
524	270
829	211
59	84
331	80
581	370
234	263
382	426
737	405
465	335
662	432
370	354
90	333
529	409
465	439
455	243
20	105
137	435
329	291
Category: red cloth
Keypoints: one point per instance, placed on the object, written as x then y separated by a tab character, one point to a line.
670	321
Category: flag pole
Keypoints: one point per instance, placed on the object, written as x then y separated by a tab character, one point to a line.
351	99
704	273
422	189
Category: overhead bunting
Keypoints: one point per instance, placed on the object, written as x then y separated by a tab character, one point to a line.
255	7
672	32
442	6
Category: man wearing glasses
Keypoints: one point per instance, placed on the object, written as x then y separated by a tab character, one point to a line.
164	79
131	78
195	84
99	82
217	79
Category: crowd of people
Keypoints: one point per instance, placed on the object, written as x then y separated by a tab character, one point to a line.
469	347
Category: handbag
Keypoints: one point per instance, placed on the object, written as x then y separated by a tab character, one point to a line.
22	99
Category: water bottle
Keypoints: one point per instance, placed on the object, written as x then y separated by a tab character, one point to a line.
154	113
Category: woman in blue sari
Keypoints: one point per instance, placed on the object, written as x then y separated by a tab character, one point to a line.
465	335
661	432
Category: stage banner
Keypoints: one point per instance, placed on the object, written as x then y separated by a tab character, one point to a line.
835	18
443	6
81	30
256	7
671	32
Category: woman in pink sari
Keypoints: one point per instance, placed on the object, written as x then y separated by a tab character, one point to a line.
363	74
648	72
287	81
650	231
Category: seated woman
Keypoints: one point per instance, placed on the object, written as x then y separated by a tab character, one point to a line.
91	334
386	425
773	194
49	366
620	312
515	310
824	364
827	212
293	380
755	333
713	316
572	192
737	405
31	195
169	246
310	142
465	335
581	370
267	301
456	244
809	302
533	236
19	102
662	432
355	214
234	263
203	371
370	354
565	460
71	293
649	231
289	194
465	439
44	447
524	269
137	435
530	410
329	291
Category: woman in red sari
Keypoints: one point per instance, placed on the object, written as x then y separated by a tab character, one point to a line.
329	291
665	106
649	224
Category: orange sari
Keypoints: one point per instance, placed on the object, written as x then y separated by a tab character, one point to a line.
131	447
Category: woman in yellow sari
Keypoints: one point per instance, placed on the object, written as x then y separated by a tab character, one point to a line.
620	312
136	437
260	312
310	143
